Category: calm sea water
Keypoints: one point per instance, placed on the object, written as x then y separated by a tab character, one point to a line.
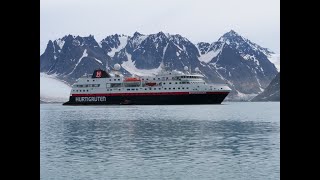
235	140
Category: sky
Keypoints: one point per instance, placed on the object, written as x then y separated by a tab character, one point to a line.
197	20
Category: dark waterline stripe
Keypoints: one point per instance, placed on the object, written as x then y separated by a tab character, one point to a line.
148	94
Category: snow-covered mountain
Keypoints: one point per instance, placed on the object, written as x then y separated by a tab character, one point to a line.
244	65
272	92
53	89
240	62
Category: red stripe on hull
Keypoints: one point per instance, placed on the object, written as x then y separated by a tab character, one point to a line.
146	94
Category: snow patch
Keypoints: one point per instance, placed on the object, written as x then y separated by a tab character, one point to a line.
206	58
53	89
275	59
85	54
98	60
60	43
130	66
244	97
261	89
164	50
123	42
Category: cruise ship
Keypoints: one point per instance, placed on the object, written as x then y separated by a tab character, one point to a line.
164	88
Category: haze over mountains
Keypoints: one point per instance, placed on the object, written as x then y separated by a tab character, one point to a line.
247	67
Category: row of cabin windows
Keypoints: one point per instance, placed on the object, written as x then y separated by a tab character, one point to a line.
179	83
149	89
109	80
81	90
87	85
193	77
134	89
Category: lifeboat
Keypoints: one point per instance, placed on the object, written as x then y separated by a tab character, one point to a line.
131	79
151	83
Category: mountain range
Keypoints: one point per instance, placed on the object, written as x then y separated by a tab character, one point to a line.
272	92
245	66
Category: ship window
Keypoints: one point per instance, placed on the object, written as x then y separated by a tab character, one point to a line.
173	88
176	82
178	88
142	79
87	90
137	89
147	79
165	88
187	88
110	89
77	90
107	89
155	88
119	89
169	82
114	79
118	79
93	80
164	83
158	78
87	80
132	89
145	89
221	88
128	89
169	88
159	88
154	78
183	88
150	88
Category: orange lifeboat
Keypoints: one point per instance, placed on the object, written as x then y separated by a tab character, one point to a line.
131	79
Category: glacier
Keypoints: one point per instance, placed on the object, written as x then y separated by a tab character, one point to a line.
53	89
